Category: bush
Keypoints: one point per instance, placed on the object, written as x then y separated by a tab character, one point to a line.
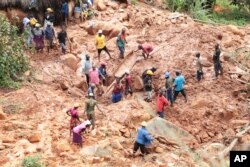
12	61
32	162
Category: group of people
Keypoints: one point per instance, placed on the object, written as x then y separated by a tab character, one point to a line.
39	36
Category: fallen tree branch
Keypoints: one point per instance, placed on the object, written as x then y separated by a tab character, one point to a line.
234	142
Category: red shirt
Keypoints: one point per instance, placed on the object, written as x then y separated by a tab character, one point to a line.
118	88
147	48
128	80
160	103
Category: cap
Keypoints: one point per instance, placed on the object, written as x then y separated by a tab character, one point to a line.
149	72
167	74
91	94
76	105
87	122
103	63
49	10
99	31
37	25
144	124
127	71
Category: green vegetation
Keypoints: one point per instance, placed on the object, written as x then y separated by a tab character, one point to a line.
32	161
12	61
229	13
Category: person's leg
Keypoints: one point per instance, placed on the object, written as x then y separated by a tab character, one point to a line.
107	51
216	70
144	55
175	95
143	149
136	147
99	53
184	94
161	114
87	79
170	96
93	120
220	69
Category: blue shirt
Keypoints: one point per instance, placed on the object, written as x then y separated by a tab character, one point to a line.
143	137
179	83
102	71
65	8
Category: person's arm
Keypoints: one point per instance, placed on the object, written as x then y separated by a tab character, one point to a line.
148	137
97	106
96	41
67	112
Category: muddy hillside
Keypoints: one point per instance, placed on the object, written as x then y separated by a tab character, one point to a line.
197	133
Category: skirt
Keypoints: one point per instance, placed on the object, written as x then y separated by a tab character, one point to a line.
116	97
77	138
73	123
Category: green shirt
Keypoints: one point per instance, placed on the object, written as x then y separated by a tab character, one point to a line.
90	106
169	83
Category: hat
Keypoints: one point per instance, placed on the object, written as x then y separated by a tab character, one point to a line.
127	71
167	74
99	31
87	122
91	94
103	63
144	124
76	105
149	72
49	10
37	25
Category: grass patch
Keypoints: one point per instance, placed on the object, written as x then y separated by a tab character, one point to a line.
32	161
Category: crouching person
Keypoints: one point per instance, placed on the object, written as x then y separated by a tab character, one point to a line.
143	139
77	137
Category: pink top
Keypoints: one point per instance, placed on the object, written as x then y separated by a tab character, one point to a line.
79	128
94	77
73	112
147	48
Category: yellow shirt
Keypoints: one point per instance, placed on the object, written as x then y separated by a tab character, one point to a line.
100	41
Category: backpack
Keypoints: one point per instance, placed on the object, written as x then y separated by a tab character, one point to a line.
49	33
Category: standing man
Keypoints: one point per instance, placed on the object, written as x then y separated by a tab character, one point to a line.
101	44
161	102
216	58
179	86
168	85
148	85
199	72
94	79
49	36
103	73
62	36
65	12
90	109
146	50
49	17
87	66
142	140
121	41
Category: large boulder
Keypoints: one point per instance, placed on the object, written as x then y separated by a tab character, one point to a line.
101	6
70	60
61	146
235	30
109	29
2	114
36	137
138	83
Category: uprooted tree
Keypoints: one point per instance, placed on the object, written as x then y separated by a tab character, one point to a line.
12	60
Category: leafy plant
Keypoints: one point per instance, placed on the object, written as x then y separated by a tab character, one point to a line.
12	60
32	161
